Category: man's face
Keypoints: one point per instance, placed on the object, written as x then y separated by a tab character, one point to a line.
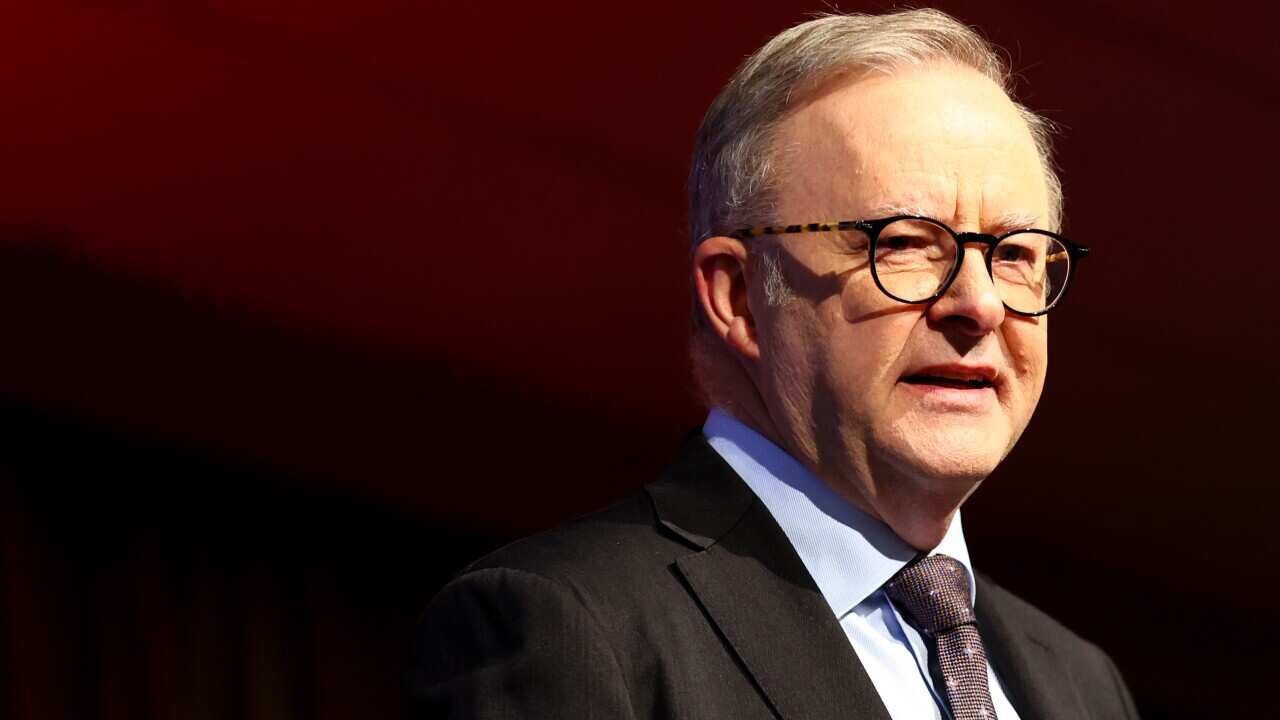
857	381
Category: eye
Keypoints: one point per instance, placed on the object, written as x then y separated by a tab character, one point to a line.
898	242
909	247
1008	252
912	243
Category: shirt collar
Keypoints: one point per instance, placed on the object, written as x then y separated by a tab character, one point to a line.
849	554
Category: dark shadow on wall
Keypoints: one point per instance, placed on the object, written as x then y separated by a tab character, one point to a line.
145	581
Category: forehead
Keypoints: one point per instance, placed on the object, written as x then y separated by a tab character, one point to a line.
941	140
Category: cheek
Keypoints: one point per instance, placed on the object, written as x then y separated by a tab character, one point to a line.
864	358
789	352
1028	345
860	300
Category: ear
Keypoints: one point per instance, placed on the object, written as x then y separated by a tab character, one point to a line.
720	281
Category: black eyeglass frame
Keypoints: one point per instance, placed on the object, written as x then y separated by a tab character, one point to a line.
872	228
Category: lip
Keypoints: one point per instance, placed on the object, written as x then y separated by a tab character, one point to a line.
987	374
949	397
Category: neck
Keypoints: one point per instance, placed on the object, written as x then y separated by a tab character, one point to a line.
910	506
919	510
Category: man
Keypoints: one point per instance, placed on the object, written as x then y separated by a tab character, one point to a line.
874	256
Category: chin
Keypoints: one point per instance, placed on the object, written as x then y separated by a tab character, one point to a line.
950	458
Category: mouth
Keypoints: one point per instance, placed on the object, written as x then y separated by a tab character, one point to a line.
948	382
954	377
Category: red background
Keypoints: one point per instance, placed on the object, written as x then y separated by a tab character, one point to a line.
352	267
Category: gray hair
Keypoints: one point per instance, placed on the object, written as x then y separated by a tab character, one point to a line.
734	168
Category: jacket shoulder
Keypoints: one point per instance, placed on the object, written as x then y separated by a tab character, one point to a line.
606	555
1021	614
1089	670
632	544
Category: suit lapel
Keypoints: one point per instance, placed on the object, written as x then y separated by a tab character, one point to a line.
1035	679
757	592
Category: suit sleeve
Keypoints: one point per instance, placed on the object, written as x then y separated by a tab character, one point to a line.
500	643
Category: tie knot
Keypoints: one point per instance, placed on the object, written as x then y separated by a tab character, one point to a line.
934	593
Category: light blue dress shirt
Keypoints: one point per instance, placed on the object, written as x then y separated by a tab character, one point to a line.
850	556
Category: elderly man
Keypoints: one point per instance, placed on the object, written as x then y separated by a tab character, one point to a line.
874	257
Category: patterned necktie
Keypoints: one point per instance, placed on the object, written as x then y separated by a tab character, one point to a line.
934	595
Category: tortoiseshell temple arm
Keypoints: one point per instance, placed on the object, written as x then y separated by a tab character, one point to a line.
836	225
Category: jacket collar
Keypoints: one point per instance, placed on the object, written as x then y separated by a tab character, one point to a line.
1036	679
757	592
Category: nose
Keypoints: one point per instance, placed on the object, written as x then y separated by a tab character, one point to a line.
971	304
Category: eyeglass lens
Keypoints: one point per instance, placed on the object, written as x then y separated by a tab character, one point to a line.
913	259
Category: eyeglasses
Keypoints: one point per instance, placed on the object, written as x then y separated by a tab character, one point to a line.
915	259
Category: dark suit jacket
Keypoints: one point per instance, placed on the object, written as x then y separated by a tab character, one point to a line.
687	601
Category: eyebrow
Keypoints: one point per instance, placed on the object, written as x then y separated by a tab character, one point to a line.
1003	223
1014	221
890	210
